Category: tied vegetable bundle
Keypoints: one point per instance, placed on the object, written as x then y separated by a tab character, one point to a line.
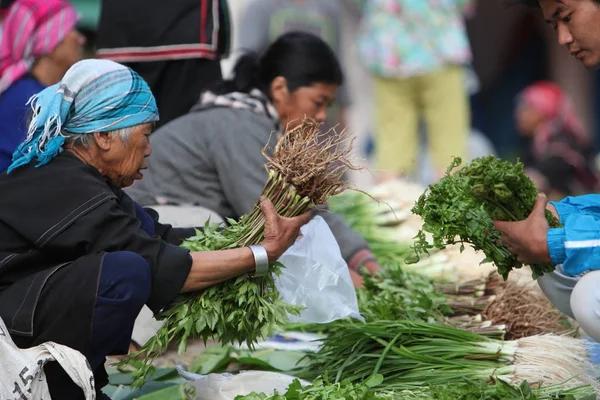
413	354
462	206
305	168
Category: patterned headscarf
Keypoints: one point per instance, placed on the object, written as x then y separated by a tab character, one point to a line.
31	29
559	115
93	96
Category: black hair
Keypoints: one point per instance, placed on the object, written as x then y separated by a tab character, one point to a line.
301	58
535	3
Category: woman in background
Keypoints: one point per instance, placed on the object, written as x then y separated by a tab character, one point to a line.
558	155
212	157
264	21
38	44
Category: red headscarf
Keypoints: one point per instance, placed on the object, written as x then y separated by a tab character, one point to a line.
29	30
560	118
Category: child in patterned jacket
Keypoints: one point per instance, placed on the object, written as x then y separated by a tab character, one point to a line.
417	51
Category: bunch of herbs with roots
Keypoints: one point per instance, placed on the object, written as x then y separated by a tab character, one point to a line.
462	207
413	354
525	310
305	168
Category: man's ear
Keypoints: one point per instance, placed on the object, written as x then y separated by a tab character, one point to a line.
279	90
103	140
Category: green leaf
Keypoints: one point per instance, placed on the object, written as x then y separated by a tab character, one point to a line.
374	380
273	360
172	392
212	360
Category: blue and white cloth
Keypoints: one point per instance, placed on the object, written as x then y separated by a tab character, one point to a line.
93	96
577	244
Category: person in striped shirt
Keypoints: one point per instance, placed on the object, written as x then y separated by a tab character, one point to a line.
574	287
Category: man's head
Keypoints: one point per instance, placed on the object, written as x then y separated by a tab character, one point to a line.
577	25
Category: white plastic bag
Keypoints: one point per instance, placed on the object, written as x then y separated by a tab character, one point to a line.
228	386
22	370
317	277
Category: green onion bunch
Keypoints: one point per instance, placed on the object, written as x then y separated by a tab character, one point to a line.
413	354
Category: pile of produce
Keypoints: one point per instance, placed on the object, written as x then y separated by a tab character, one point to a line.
396	294
491	306
424	338
412	354
305	169
462	206
322	389
464	389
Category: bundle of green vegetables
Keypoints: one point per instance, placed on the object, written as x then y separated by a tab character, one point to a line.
412	354
322	389
462	206
395	294
499	390
305	169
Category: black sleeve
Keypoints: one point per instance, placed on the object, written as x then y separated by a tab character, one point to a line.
557	172
109	228
5	4
175	236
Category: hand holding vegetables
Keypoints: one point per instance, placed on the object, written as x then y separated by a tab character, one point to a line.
527	239
463	205
280	232
305	169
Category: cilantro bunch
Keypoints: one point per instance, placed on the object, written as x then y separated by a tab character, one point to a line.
395	294
462	206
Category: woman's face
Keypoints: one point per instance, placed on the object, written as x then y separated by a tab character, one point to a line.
69	51
123	161
527	119
304	102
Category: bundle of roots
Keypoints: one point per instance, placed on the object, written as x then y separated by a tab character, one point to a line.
522	309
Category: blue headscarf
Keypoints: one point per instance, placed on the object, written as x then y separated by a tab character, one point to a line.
93	96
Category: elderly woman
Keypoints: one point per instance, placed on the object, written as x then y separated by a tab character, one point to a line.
212	157
39	43
79	258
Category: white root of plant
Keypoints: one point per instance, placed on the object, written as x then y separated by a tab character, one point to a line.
551	359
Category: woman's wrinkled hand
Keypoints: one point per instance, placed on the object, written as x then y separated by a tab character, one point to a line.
280	232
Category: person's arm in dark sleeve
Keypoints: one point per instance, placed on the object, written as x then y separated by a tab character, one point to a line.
171	235
108	228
